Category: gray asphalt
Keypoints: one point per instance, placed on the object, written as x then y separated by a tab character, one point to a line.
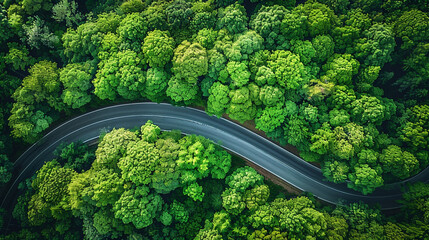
230	135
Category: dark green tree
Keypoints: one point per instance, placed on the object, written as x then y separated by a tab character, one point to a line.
179	14
233	18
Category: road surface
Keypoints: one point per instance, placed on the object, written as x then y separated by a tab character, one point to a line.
232	136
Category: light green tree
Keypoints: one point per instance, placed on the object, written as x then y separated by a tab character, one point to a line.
158	48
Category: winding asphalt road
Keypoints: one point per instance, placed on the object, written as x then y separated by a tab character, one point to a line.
232	136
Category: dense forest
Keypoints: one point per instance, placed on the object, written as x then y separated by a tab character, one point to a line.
148	184
346	82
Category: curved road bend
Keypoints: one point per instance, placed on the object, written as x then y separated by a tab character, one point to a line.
232	136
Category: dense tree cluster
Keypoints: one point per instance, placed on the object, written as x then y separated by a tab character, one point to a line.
148	184
345	82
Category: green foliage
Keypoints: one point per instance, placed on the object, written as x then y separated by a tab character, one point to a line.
368	109
150	132
20	209
179	14
194	191
376	48
233	18
348	140
217	66
75	155
221	222
291	108
369	157
117	202
338	117
322	139
138	206
131	6
416	201
110	44
262	216
182	91
393	231
108	22
218	99
241	107
131	75
365	179
50	187
304	49
243	178
343	141
362	220
132	30
341	98
416	130
238	72
324	47
179	212
76	79
65	11
232	201
271	118
122	74
296	130
203	20
4	25
18	57
264	76
27	123
166	218
24	234
198	158
245	45
158	48
267	22
298	217
271	96
139	162
313	76
367	77
96	187
190	61
320	18
156	84
335	171
155	16
32	6
111	148
42	85
106	81
209	234
205	86
355	22
294	26
256	197
83	43
165	177
401	164
107	225
288	69
412	27
5	169
341	69
337	227
264	234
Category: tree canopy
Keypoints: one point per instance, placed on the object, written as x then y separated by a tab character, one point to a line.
344	82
